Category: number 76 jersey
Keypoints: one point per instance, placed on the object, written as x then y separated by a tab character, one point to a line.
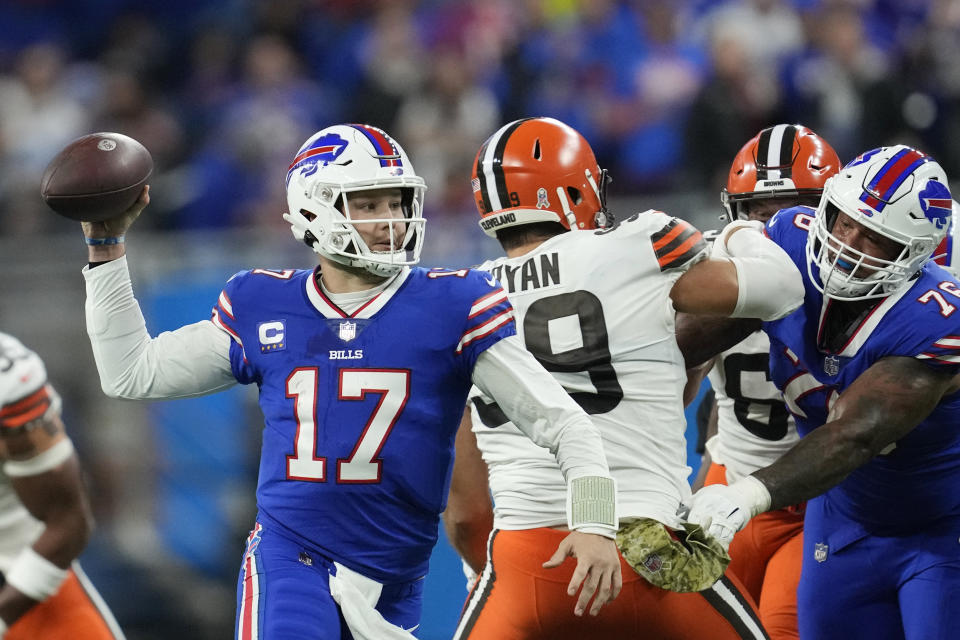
914	481
360	410
594	309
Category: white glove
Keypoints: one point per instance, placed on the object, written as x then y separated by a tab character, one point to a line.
722	510
470	575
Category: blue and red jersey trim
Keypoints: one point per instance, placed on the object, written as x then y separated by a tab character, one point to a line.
489	313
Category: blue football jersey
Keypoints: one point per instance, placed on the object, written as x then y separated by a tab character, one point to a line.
915	481
360	410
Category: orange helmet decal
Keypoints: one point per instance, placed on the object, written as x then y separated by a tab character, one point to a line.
781	161
538	170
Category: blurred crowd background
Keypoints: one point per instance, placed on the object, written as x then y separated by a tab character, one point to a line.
223	92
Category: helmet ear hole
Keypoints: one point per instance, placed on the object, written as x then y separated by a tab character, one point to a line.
575	196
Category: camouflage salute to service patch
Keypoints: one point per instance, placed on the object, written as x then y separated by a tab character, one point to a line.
681	561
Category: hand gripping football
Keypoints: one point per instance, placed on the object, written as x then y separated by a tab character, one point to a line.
96	177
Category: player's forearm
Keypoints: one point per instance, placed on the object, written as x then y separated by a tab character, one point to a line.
700	338
63	539
818	462
468	536
701	478
468	518
13	604
882	406
187	362
57	499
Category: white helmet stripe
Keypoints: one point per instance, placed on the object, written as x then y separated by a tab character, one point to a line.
491	174
773	151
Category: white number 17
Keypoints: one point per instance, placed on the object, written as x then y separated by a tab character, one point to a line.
362	466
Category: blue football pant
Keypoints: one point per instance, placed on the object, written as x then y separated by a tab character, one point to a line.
878	587
284	594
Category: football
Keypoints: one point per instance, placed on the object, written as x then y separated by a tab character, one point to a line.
96	177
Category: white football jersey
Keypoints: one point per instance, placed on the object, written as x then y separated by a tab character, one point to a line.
754	426
22	376
594	308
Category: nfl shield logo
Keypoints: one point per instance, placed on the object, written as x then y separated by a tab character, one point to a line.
348	330
831	365
820	551
653	563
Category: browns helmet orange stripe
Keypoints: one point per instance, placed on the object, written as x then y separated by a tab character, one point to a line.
538	170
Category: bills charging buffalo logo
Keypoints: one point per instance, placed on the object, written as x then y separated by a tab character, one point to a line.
936	203
317	153
863	157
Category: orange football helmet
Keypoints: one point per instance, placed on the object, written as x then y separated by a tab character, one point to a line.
781	161
539	170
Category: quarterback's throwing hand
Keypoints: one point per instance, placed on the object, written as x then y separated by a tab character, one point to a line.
723	510
598	569
118	225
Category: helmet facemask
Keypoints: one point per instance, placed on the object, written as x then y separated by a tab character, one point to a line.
736	206
849	274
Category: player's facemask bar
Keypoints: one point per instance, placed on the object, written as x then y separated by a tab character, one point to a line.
332	230
570	197
604	217
846	273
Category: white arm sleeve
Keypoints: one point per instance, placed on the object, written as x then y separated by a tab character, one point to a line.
536	403
770	285
190	361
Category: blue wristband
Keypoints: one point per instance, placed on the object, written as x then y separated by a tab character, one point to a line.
95	242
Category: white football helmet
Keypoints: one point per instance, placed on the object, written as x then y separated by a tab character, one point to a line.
345	159
897	192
